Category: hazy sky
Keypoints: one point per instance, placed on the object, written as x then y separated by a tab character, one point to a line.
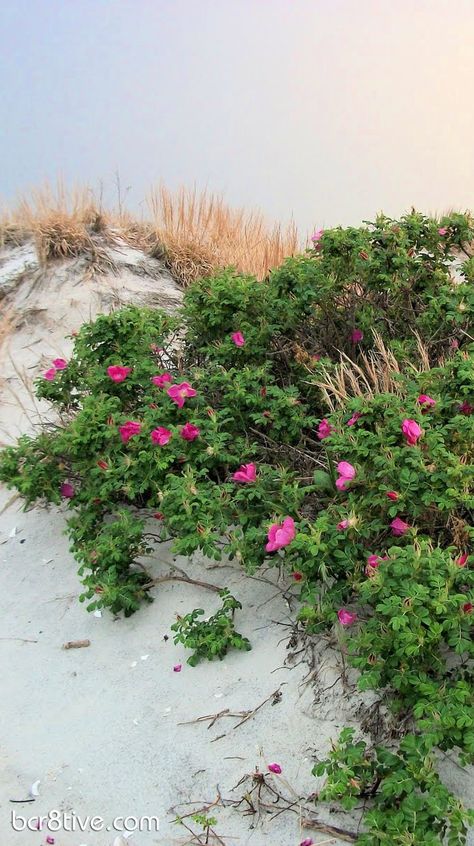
330	110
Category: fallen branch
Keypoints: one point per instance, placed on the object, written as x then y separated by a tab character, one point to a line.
341	833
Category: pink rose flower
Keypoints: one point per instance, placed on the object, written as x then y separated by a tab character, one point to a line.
297	576
355	417
442	231
275	768
238	339
462	560
393	495
317	235
128	430
161	436
346	473
454	344
67	490
399	527
466	408
280	534
324	429
411	431
118	373
344	524
60	363
345	617
426	401
180	393
190	432
162	380
246	473
50	374
468	607
357	336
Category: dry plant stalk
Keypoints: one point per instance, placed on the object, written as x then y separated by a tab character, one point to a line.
198	233
376	372
193	233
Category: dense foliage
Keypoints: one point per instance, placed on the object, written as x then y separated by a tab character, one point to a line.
323	418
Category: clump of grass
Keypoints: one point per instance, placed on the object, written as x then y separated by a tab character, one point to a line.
376	372
61	223
198	233
193	233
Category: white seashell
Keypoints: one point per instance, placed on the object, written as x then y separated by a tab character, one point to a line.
34	789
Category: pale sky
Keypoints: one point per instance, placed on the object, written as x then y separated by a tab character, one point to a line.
327	110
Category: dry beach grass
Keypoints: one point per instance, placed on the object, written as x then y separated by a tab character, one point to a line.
194	233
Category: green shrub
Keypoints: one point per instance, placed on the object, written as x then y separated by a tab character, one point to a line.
356	477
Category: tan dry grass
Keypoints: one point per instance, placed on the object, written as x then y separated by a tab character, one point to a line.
377	372
61	223
197	233
193	233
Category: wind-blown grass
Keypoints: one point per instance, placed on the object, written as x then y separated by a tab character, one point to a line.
193	233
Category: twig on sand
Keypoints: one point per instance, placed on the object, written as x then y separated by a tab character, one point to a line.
244	715
203	837
76	644
184	578
340	833
21	639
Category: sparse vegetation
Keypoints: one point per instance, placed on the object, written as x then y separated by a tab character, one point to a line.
193	233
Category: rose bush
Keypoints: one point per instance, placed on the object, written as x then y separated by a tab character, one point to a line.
236	428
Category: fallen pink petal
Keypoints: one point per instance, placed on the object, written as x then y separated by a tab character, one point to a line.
275	768
177	668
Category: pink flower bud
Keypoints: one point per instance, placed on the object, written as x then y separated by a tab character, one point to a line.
275	768
411	431
399	527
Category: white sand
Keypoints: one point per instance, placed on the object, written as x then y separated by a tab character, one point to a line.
100	726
